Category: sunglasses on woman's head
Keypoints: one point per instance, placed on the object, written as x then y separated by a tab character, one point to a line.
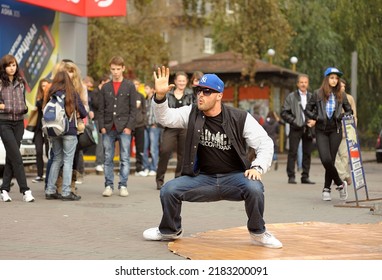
206	91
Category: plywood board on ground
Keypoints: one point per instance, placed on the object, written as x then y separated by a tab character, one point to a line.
301	241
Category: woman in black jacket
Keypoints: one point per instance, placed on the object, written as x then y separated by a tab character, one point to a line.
324	111
12	110
174	138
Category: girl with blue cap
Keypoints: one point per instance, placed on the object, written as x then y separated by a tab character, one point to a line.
324	111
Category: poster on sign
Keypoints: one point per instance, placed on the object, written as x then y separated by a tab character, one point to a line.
354	152
84	8
30	34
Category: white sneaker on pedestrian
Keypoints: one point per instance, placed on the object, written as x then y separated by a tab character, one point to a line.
343	190
141	173
153	234
79	179
5	196
99	168
152	173
123	192
108	191
326	195
38	179
265	239
28	197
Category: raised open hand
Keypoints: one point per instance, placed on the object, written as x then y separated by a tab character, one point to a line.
161	82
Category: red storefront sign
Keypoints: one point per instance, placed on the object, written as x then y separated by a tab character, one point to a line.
84	8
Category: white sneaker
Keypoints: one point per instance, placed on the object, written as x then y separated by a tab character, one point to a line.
123	192
343	190
27	197
108	191
5	197
141	173
153	234
79	179
152	173
326	195
38	179
99	168
265	239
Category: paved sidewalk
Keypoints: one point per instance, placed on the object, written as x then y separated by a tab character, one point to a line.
99	228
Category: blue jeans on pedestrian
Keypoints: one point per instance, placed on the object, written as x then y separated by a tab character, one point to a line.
99	146
124	140
152	140
63	149
232	186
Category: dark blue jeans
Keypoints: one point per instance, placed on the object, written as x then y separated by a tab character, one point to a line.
206	188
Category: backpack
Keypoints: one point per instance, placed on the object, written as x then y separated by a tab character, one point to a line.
55	122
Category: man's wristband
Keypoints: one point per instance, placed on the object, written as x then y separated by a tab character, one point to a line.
257	168
159	101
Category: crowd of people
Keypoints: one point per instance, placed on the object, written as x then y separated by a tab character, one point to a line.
117	109
186	120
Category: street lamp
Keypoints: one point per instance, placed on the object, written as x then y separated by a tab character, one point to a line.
271	53
294	61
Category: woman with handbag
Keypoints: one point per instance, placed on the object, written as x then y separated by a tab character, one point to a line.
12	110
39	139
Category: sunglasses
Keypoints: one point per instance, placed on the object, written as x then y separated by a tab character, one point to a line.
205	91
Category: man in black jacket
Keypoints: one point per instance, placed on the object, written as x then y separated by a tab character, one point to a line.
117	111
94	98
293	113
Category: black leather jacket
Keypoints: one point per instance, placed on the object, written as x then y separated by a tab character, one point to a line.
292	111
316	110
186	99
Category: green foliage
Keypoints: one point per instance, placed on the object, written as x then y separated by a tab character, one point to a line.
326	34
315	42
359	24
140	5
376	121
246	27
108	37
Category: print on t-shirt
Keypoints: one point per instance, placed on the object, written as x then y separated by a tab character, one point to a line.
218	140
216	155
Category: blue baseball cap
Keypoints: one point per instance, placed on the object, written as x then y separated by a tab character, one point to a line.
333	70
211	81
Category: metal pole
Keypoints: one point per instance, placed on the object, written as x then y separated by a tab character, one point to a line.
354	75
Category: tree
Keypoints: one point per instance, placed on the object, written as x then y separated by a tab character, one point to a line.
109	36
315	42
247	27
359	23
326	34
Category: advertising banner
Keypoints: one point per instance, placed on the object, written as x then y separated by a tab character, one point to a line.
354	152
84	8
29	33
